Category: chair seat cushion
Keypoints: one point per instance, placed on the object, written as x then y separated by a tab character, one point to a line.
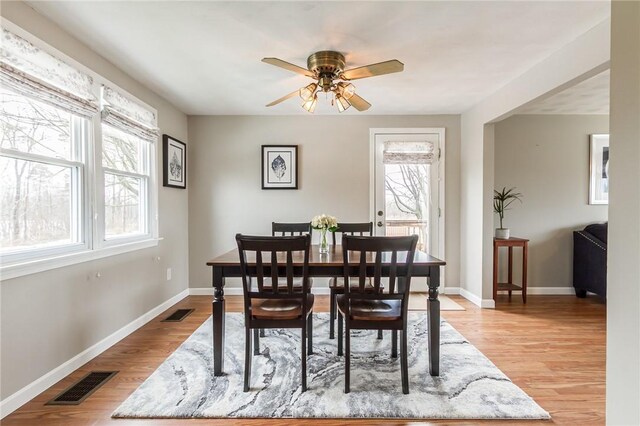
371	310
337	284
282	284
275	309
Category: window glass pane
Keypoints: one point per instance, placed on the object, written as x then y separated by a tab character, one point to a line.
36	204
121	151
122	205
31	126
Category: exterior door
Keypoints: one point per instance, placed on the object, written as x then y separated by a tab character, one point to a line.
408	180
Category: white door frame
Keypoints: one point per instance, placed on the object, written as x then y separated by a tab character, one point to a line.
440	131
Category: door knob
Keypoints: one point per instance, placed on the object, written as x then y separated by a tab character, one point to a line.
380	212
380	224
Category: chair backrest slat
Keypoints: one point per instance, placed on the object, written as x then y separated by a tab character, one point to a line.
259	271
352	229
377	279
274	271
283	229
393	271
290	271
363	271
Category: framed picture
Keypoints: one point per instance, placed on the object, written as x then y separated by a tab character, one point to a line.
599	169
279	166
174	162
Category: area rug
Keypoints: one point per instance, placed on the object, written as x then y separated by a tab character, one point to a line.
469	385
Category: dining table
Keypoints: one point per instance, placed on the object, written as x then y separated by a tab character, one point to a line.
329	264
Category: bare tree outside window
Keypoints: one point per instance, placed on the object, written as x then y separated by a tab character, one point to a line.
407	200
123	162
35	196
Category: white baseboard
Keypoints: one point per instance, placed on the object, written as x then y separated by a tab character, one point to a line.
470	296
452	290
27	393
488	304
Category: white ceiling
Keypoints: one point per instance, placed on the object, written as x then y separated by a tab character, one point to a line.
588	97
204	57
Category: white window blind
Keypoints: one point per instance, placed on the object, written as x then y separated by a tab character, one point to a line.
128	115
30	71
408	152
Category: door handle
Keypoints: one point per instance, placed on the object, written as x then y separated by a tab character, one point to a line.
379	224
380	212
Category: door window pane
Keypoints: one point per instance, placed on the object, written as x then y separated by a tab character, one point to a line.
122	204
36	203
30	126
407	201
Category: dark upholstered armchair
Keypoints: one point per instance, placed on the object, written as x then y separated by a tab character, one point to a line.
590	260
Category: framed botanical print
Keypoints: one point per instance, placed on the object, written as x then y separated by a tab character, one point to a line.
174	162
279	166
599	169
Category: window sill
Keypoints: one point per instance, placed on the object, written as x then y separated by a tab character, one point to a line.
15	270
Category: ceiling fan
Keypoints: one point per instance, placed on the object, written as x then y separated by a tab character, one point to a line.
327	68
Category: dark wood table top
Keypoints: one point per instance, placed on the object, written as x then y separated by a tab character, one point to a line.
333	258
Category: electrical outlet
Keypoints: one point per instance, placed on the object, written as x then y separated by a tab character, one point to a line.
168	274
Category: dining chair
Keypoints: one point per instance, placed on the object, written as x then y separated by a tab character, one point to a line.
336	284
267	304
291	229
281	228
392	257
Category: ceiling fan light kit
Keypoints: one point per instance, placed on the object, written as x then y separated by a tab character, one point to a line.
327	68
310	104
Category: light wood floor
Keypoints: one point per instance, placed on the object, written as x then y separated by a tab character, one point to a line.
553	348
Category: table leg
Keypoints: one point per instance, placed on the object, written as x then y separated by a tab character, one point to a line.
525	253
433	323
495	272
218	321
510	277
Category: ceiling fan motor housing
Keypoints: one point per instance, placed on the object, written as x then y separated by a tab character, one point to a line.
326	65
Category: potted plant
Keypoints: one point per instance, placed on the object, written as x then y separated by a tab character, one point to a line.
501	202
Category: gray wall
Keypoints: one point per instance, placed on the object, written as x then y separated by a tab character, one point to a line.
48	318
546	157
224	175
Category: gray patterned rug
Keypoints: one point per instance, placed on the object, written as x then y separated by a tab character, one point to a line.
469	387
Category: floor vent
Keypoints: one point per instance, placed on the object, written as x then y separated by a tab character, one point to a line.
178	315
80	391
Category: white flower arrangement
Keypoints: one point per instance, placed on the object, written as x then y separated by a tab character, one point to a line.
324	221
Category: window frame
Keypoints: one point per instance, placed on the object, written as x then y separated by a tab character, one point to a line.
91	209
78	198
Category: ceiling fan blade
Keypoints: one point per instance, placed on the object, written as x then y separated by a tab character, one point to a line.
288	66
359	103
373	70
284	98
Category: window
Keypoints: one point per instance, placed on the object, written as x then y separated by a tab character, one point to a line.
76	162
126	175
42	169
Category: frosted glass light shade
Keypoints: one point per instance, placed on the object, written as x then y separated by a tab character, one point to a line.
310	104
307	92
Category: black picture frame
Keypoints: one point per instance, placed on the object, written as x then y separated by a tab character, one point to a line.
279	166
174	162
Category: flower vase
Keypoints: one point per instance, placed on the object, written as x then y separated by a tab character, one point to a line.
324	246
